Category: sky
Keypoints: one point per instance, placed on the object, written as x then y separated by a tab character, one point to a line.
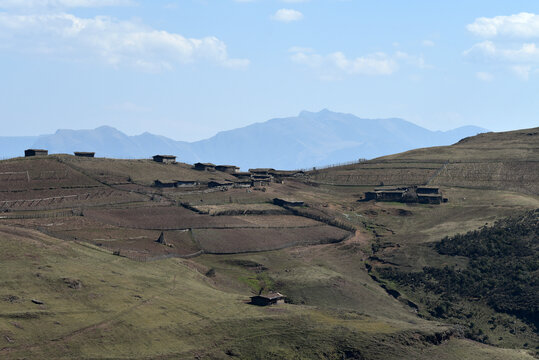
188	69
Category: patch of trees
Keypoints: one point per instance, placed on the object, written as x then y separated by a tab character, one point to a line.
502	272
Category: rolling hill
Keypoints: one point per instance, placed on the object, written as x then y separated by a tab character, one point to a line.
82	275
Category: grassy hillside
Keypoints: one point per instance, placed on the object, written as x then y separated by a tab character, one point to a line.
498	161
95	305
363	280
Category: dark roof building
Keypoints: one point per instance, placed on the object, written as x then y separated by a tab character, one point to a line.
269	299
370	195
35	152
427	190
261	171
391	195
411	194
286	173
225	184
243	175
243	183
162	184
165	159
84	154
261	180
204	166
175	183
229	169
429	198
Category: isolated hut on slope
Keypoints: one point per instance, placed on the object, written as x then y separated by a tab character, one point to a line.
269	299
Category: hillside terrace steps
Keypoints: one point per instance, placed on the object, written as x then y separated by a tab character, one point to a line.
438	172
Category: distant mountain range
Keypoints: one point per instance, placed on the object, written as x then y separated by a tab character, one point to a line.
307	140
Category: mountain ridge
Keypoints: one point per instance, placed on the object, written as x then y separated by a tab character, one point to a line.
304	141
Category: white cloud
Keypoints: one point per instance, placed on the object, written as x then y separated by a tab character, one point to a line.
287	15
62	3
109	40
510	42
484	76
520	59
490	51
294	1
338	63
523	25
428	43
335	65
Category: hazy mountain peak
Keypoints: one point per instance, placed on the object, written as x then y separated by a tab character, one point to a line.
307	140
321	113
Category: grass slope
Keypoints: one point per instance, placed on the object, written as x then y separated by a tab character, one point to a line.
99	306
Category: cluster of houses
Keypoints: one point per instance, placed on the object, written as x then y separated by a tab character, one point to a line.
410	194
252	178
245	179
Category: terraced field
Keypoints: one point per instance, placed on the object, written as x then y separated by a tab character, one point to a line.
511	164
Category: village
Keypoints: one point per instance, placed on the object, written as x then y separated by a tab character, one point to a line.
176	221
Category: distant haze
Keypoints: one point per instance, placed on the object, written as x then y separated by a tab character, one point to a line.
307	140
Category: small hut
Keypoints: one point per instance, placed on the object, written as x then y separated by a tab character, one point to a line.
410	194
281	174
229	169
262	171
204	166
35	152
243	184
427	190
269	299
429	198
84	154
164	184
220	184
243	175
165	159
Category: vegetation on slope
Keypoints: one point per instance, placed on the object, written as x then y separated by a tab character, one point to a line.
502	273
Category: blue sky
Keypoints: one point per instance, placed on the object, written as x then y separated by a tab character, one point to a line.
190	68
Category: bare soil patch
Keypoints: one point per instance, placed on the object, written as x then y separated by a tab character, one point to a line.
250	240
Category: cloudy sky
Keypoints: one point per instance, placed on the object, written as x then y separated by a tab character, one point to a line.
190	68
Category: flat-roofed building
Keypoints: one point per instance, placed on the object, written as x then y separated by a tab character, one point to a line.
229	169
35	152
220	184
84	154
269	299
165	159
204	166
